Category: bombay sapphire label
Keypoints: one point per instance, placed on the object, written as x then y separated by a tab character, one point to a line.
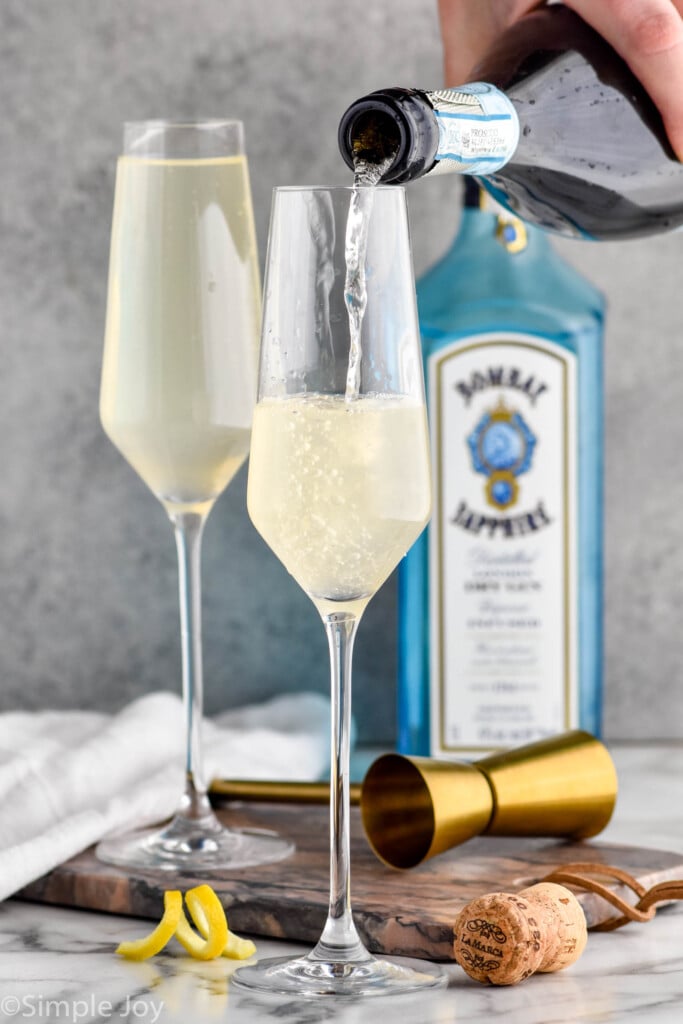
502	543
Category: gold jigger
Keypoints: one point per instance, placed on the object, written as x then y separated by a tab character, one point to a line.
416	807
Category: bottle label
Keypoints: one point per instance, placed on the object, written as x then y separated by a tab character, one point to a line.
478	128
503	542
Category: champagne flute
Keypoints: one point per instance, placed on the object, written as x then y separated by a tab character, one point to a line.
178	388
339	485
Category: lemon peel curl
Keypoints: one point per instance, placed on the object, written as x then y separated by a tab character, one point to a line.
214	938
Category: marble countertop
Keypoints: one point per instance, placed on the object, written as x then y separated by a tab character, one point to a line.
58	965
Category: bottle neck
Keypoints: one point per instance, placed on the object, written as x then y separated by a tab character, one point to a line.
409	132
478	128
391	127
472	198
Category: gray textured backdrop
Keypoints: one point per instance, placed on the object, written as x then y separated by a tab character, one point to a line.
87	562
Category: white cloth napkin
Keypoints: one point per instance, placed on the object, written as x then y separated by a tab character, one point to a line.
67	778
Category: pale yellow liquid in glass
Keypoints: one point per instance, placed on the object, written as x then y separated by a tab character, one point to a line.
181	339
339	490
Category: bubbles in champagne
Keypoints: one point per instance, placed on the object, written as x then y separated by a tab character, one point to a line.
329	492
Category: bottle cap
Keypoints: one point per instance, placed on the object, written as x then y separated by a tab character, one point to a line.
415	807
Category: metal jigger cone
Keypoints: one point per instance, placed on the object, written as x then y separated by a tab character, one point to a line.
416	807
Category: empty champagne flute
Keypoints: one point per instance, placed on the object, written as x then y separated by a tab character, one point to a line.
339	485
178	389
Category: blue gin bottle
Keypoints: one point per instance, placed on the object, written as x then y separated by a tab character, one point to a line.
500	600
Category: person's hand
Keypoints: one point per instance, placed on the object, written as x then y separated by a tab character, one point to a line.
647	33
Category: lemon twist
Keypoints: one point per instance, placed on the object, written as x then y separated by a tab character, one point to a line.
204	906
141	949
214	939
235	948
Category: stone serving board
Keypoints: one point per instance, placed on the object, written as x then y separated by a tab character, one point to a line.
397	912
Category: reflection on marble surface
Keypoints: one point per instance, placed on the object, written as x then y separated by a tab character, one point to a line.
58	965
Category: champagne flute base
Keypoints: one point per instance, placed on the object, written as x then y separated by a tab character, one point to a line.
194	847
309	977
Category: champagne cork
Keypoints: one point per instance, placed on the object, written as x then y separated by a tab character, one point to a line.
503	937
568	932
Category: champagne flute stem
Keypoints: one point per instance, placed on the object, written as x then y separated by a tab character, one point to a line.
188	528
340	940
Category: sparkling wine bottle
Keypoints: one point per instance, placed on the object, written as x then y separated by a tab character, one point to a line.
500	600
557	127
